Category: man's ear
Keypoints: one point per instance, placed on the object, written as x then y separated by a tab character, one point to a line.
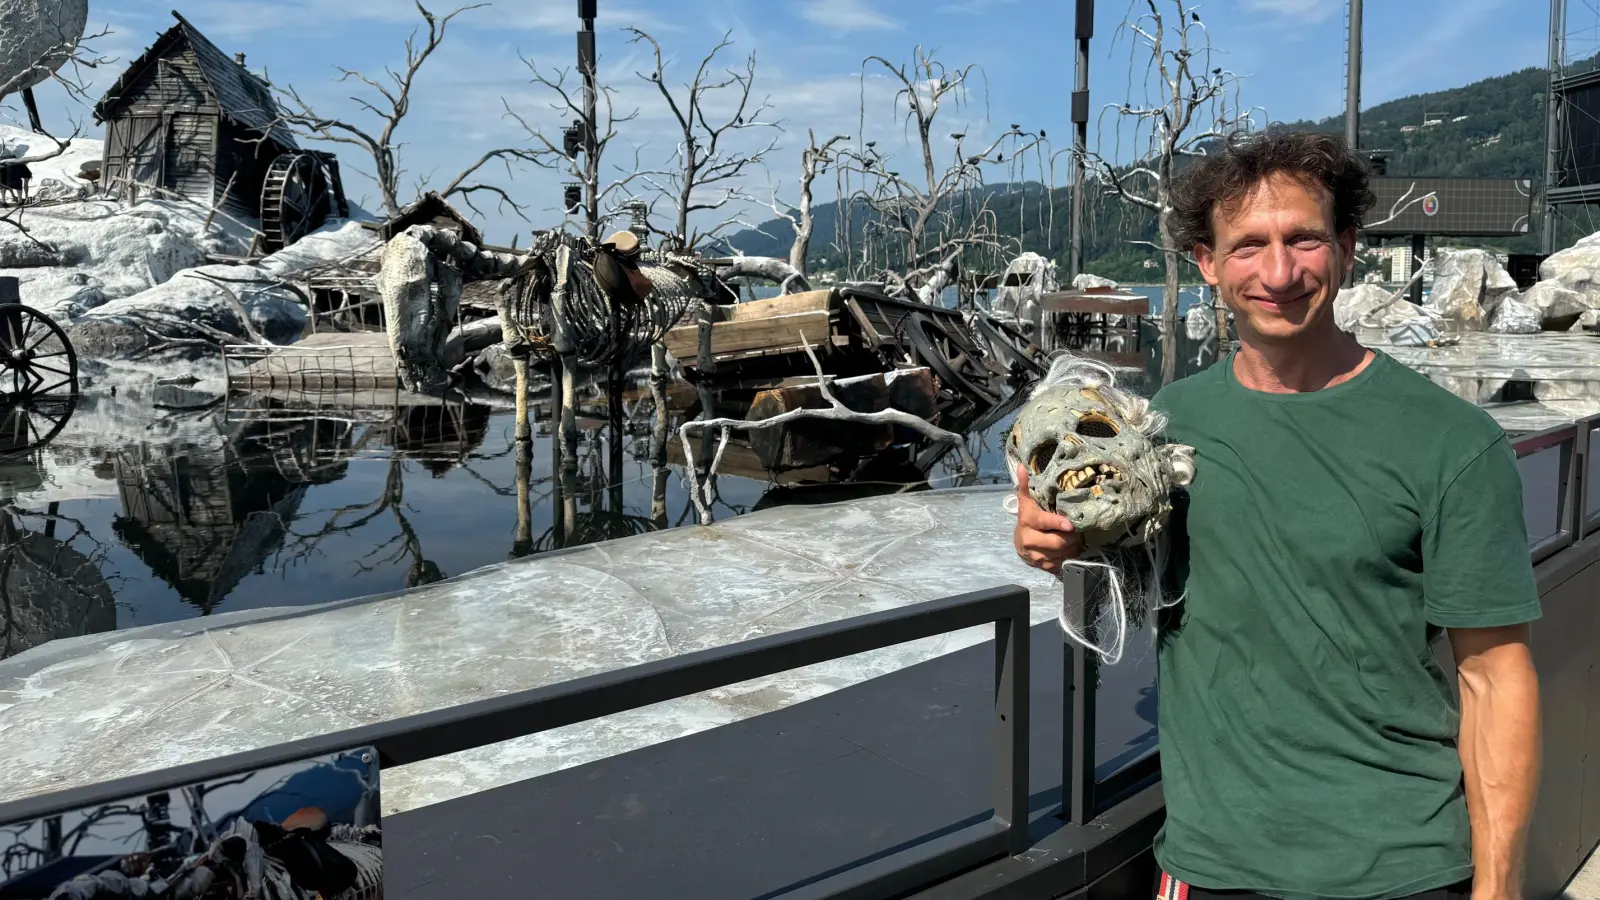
1207	262
1347	247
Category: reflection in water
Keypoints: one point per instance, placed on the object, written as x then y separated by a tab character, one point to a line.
200	520
51	583
255	501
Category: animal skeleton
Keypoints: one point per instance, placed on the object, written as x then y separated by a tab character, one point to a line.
1093	454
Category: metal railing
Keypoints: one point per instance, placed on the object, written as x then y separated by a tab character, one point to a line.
1556	494
1561	490
428	735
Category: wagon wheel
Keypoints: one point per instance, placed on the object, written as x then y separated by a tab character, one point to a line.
36	359
27	423
1012	344
294	199
958	370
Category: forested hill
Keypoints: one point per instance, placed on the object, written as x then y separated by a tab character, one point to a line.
1494	128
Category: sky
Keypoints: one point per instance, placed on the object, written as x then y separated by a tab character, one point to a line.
1290	55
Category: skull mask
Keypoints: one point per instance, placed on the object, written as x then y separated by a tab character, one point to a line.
1092	455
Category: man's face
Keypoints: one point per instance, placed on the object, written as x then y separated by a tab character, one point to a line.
1276	260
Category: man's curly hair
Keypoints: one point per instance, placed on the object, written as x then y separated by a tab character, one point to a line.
1223	180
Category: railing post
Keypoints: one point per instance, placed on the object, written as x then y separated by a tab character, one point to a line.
1080	679
1012	714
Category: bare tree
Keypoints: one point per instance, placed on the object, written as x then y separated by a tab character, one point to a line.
708	167
920	227
390	108
566	156
1183	108
814	161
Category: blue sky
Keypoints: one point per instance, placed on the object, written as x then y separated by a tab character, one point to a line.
809	53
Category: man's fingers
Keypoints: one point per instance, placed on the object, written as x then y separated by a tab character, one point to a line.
1029	515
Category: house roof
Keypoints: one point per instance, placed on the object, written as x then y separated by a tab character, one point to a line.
428	210
245	99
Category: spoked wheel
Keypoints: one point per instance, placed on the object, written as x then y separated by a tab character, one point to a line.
36	359
959	370
1012	344
28	423
294	199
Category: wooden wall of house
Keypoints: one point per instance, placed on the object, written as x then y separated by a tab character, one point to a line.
240	150
164	132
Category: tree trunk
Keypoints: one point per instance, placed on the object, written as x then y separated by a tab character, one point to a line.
802	231
658	394
1169	306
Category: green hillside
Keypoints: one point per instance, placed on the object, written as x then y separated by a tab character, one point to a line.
1493	128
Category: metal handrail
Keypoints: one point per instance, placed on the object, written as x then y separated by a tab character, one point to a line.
1569	439
432	734
1588	493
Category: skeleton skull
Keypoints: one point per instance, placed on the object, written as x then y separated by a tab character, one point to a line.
1092	455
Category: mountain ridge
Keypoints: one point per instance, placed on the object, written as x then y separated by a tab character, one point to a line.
1490	128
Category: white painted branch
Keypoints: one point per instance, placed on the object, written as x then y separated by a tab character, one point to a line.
836	412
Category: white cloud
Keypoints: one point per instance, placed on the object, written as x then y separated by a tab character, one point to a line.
236	19
1305	12
846	15
975	7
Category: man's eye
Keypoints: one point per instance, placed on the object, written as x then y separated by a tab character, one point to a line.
1309	240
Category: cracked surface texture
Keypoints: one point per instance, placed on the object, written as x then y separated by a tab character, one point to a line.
84	710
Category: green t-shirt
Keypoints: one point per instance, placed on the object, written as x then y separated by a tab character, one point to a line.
1307	735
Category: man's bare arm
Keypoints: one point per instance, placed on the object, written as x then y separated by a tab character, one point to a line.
1500	748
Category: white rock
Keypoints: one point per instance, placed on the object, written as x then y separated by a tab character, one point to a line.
338	240
1554	302
1575	267
48	190
1514	316
1590	318
1459	279
116	251
192	307
1355	304
1085	281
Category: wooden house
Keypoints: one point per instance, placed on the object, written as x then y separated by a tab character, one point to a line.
189	119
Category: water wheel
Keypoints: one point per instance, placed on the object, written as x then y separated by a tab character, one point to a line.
294	199
36	359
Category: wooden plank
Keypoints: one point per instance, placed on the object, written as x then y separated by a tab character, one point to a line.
683	342
807	301
1111	304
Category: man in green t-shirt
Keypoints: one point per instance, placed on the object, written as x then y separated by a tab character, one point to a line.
1344	508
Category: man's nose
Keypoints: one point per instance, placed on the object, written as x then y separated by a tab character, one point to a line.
1277	269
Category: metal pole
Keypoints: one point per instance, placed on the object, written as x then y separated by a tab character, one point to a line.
1547	243
1080	132
591	166
1080	147
1352	88
1352	99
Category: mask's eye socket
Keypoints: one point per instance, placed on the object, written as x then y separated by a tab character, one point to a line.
1041	456
1097	426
